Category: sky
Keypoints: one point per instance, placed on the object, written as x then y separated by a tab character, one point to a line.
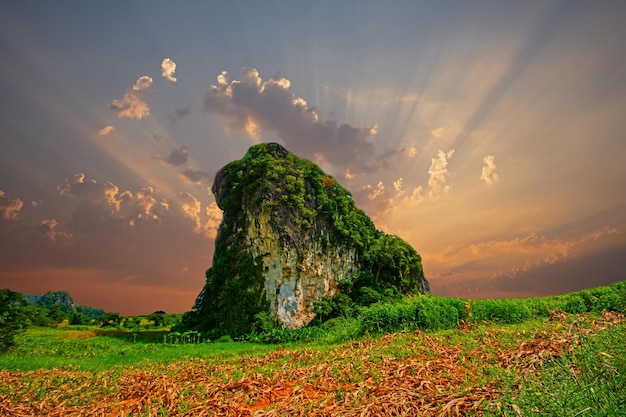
490	135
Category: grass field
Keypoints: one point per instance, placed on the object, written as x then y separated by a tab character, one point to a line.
563	365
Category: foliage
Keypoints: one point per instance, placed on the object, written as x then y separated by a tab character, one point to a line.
12	319
301	202
110	320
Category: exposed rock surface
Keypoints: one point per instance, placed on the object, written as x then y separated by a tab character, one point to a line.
289	235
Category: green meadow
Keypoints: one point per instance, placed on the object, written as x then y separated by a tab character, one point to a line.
422	355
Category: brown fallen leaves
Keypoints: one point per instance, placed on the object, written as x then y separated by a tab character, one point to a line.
404	374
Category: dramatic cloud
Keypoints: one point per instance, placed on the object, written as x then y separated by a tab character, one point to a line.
178	115
134	104
177	156
438	173
140	240
517	262
378	200
196	176
255	106
489	174
10	208
100	203
168	68
106	131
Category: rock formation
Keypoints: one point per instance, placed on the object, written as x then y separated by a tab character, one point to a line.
289	234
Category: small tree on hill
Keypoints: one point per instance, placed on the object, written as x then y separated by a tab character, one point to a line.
12	319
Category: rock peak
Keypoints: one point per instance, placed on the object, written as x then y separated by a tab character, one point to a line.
290	235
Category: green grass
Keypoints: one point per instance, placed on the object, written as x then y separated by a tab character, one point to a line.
559	366
589	381
97	350
491	357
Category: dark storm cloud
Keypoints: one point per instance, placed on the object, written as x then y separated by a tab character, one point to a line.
253	105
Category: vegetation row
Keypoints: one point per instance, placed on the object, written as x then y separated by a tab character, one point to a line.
340	318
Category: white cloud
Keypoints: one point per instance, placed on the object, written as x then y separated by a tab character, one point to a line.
397	185
134	104
259	107
10	208
214	215
374	192
438	173
489	174
106	131
168	68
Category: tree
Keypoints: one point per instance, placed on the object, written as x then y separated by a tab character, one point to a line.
12	319
110	320
79	318
56	314
158	318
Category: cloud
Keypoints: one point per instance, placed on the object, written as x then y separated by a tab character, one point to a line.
98	208
134	104
214	215
168	68
10	208
522	265
255	106
374	192
48	227
489	174
196	176
106	131
177	156
408	153
438	173
178	115
111	237
189	206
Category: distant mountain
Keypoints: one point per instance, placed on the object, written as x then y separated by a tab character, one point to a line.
65	302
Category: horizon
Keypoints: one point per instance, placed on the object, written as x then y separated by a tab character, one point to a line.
488	136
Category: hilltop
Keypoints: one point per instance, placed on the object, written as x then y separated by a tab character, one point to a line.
64	302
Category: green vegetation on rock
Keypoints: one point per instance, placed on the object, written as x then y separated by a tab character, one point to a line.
283	218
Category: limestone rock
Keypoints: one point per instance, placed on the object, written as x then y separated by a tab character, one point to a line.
289	234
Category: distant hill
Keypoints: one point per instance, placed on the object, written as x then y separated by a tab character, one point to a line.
65	302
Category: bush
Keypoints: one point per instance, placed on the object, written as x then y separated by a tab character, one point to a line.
224	339
504	311
574	304
439	313
12	319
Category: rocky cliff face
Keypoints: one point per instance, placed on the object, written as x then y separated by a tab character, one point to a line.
289	235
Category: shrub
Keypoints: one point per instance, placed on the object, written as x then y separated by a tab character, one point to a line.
505	311
12	320
574	304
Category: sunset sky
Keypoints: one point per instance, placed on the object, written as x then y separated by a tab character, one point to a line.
491	135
